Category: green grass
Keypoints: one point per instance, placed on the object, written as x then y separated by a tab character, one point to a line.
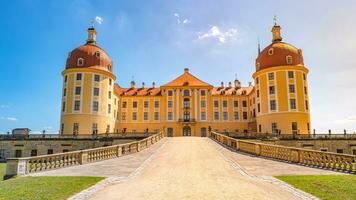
45	187
327	187
2	170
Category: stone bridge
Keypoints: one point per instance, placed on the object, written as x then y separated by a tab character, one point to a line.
195	168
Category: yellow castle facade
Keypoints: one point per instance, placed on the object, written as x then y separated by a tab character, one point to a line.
277	102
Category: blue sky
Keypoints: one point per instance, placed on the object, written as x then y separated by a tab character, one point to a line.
154	40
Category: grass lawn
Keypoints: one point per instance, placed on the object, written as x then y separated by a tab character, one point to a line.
2	170
330	187
45	187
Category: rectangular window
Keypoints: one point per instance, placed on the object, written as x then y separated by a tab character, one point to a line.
134	104
216	115
244	115
236	104
225	104
95	106
216	103
156	104
274	127
170	93
65	150
156	115
294	127
33	152
49	151
77	90
75	128
306	105
170	116
62	128
96	91
270	76
291	88
77	105
170	104
304	77
236	116
134	116
145	116
339	151
79	77
109	94
257	80
109	108
145	104
63	106
65	79
292	104
272	90
94	128
124	104
65	92
258	93
244	104
203	104
273	104
123	116
110	81
203	116
305	91
225	116
290	74
259	107
97	77
18	153
202	92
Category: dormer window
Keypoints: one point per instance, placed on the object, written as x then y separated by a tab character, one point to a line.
289	60
80	62
109	67
270	51
97	54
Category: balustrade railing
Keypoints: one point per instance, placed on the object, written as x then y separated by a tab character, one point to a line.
21	166
326	160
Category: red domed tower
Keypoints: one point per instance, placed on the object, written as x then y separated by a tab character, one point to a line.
88	101
281	88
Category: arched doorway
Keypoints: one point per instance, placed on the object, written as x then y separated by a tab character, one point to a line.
169	132
186	131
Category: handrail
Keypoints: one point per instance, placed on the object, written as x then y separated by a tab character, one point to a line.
21	166
327	160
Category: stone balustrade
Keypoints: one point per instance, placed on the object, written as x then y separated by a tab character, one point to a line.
21	166
326	160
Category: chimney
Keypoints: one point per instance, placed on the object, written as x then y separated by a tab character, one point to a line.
237	84
222	84
153	84
143	84
230	84
186	70
133	84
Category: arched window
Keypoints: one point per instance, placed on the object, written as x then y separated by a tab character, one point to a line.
186	93
80	62
97	54
186	103
289	60
109	67
270	51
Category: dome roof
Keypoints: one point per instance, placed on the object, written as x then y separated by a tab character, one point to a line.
278	53
89	55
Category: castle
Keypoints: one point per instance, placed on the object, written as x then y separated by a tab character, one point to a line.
277	102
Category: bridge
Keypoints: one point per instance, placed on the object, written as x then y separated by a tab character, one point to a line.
193	168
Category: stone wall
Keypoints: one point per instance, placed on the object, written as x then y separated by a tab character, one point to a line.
329	145
8	148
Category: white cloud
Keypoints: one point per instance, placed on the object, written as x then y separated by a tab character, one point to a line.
348	120
184	21
99	19
221	36
9	118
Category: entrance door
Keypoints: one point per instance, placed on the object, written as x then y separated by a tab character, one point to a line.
169	132
203	132
186	131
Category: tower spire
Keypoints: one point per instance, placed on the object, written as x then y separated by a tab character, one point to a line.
276	31
91	34
258	46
